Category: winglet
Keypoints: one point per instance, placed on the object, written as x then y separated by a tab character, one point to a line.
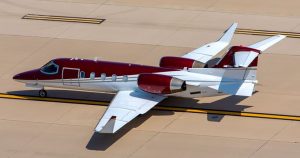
228	34
267	43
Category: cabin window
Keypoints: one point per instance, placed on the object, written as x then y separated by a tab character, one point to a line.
92	75
114	77
125	78
50	68
82	74
103	76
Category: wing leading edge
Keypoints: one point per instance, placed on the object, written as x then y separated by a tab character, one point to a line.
208	51
125	106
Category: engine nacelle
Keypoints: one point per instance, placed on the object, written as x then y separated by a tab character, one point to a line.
179	63
160	84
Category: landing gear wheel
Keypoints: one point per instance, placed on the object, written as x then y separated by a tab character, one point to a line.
42	93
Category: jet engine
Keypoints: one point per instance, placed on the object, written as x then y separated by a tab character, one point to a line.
179	63
160	84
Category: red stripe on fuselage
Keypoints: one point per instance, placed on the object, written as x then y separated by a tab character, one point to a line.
98	67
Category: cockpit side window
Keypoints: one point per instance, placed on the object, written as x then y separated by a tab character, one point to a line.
50	68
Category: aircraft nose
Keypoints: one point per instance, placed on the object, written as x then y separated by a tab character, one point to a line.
28	75
17	77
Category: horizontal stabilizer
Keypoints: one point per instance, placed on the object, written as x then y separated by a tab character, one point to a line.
236	88
267	43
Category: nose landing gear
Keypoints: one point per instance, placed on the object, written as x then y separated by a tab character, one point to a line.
42	93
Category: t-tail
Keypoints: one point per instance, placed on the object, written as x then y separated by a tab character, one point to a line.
240	56
237	69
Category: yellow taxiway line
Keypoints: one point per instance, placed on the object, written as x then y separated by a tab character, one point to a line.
166	108
266	33
99	21
63	18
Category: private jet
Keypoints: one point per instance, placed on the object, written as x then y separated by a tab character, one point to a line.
139	88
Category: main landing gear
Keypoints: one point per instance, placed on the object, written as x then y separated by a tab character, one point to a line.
42	93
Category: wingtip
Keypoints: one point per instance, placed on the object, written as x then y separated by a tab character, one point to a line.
235	24
228	34
281	36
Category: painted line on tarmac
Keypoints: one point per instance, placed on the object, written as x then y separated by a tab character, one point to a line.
63	18
165	108
99	21
267	33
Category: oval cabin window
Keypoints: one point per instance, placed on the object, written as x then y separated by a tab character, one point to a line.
103	76
125	78
114	77
92	75
82	74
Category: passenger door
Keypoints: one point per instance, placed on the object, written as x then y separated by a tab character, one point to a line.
70	76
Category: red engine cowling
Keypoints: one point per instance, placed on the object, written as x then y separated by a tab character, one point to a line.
160	84
179	63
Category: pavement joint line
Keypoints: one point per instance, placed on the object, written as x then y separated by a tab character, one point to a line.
161	107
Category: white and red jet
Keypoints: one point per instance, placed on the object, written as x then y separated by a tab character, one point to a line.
140	87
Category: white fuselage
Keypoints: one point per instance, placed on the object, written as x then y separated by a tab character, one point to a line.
197	84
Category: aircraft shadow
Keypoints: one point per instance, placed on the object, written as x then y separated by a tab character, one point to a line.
102	142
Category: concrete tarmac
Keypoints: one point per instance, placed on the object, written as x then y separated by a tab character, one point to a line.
141	31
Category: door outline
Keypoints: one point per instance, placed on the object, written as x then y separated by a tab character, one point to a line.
74	82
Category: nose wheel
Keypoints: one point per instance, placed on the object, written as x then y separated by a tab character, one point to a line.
42	93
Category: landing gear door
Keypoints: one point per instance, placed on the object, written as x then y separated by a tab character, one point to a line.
70	76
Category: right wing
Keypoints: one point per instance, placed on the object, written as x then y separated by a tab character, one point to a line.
125	106
206	52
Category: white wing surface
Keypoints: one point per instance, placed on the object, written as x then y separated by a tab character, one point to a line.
126	106
206	52
267	43
245	58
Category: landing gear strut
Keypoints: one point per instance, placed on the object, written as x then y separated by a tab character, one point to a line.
42	93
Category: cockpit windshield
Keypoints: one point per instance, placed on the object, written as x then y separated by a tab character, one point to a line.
50	68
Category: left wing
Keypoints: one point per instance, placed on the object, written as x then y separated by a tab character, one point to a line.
125	106
208	51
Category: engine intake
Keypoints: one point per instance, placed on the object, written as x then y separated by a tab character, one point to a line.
160	84
179	63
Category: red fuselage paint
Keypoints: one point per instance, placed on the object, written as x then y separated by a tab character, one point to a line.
89	66
176	62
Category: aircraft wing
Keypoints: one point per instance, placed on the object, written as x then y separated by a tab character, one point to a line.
125	106
206	52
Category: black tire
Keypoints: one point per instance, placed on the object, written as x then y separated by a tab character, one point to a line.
42	93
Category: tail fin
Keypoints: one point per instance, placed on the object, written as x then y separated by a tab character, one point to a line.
239	56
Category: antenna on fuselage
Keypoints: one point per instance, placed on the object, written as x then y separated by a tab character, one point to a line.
96	59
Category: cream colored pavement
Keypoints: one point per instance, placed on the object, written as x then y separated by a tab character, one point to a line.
141	31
